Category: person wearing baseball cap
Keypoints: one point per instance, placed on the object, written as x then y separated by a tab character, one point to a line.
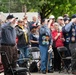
11	16
60	20
51	21
66	20
71	29
8	43
74	16
52	17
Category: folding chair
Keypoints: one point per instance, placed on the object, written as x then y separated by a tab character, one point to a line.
14	71
64	58
33	57
25	61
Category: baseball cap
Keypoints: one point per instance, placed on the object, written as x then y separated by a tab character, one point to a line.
20	20
11	16
52	16
60	17
32	27
74	16
66	18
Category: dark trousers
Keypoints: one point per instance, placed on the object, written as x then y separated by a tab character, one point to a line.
57	60
11	52
72	47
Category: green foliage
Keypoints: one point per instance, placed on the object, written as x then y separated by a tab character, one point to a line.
44	7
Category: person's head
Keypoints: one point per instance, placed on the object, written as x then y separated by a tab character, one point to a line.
33	28
52	17
56	26
74	17
65	15
66	20
20	22
25	17
60	20
34	18
10	17
44	21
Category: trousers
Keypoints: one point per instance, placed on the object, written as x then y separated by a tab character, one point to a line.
11	52
72	47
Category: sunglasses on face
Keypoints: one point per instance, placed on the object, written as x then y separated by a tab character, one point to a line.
61	19
20	21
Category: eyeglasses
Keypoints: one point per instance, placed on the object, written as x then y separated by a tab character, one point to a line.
61	19
20	22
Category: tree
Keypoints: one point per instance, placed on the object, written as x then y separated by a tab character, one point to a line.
44	7
55	7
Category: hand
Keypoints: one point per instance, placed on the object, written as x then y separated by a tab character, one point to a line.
63	39
13	20
50	50
58	34
50	46
23	30
73	20
51	21
29	46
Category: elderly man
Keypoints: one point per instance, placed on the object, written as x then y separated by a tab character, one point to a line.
8	43
60	20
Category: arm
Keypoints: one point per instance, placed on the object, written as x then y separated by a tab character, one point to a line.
32	40
42	31
5	25
19	32
9	23
68	27
51	41
50	22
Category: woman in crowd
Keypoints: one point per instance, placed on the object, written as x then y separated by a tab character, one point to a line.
34	40
23	40
58	42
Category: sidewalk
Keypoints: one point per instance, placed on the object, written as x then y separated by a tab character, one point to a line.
55	73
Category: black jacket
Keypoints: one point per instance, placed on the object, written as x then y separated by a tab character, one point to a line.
21	37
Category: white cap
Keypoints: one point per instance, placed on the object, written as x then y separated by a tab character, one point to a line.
60	17
20	19
52	16
56	24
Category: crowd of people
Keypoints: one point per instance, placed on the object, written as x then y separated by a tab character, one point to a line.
46	34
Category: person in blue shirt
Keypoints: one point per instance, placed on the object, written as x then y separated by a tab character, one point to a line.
34	37
66	36
71	29
45	42
8	43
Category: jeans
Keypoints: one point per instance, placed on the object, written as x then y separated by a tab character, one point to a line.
23	53
44	57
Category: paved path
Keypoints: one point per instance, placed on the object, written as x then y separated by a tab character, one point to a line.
55	73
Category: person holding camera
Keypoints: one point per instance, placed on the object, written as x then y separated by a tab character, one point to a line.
71	29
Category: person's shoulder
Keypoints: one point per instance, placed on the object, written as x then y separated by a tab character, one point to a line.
6	24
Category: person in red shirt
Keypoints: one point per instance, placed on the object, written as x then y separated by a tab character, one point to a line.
58	40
